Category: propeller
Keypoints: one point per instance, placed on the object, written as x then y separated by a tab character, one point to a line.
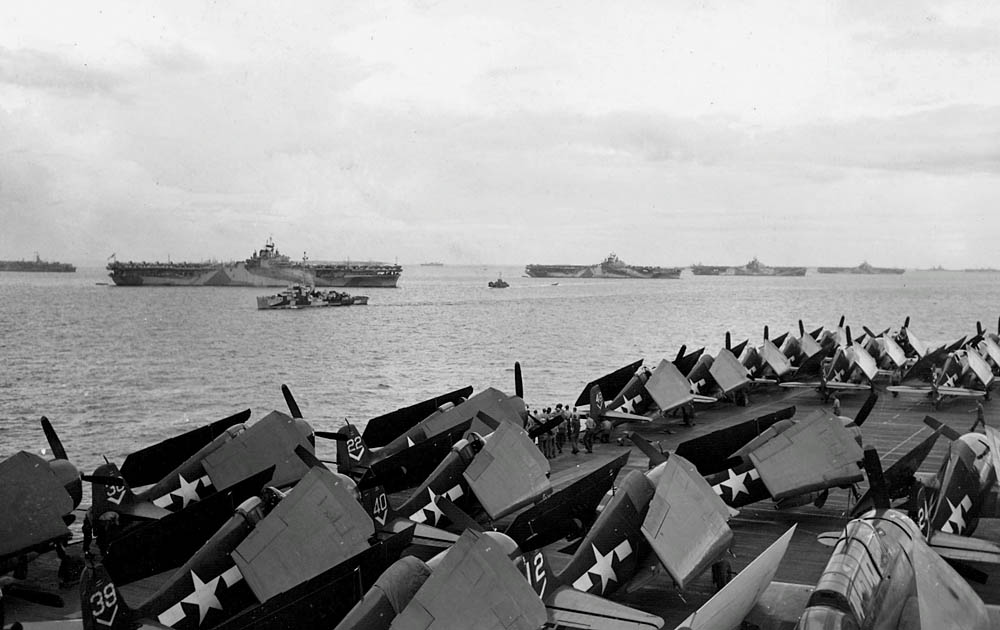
308	458
55	445
331	435
680	353
729	341
103	480
906	322
767	333
518	382
840	324
850	341
866	409
877	488
293	406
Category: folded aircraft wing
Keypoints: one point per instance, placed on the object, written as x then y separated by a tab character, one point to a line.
149	465
728	372
318	525
961	392
733	603
980	367
387	427
686	523
774	358
813	454
33	501
476	586
709	452
270	441
610	384
509	473
569	608
993	440
864	361
944	599
668	387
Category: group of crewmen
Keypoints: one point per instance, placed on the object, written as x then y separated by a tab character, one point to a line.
572	429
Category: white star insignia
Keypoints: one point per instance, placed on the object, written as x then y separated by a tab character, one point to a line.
956	522
188	491
203	596
736	483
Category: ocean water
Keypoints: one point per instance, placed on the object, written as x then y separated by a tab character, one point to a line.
118	368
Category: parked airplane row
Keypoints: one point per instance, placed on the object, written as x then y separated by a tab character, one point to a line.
262	533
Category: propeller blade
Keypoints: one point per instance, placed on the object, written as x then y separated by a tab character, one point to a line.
293	407
868	331
36	596
877	487
330	435
866	409
979	328
102	479
518	382
680	353
309	458
850	342
802	329
906	323
55	445
766	332
841	323
729	341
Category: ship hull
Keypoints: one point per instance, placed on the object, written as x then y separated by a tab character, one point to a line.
242	275
598	271
46	267
856	270
772	271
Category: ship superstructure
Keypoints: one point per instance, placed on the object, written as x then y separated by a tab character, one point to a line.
610	267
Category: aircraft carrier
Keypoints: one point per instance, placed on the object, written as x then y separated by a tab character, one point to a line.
36	265
610	267
864	269
266	267
752	268
894	426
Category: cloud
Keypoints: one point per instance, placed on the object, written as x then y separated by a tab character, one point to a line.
49	71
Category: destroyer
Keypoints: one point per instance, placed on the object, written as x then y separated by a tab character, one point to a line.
35	265
298	296
610	267
266	267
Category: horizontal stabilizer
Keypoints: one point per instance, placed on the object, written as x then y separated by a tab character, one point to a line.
509	472
457	515
570	608
813	454
730	606
383	429
965	548
318	525
475	581
655	455
686	523
610	384
149	465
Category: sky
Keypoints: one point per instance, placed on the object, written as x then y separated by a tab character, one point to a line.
803	133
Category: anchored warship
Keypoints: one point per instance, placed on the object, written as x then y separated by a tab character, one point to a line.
35	265
610	267
266	267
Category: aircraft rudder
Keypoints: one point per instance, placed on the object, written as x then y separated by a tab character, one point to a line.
101	604
352	452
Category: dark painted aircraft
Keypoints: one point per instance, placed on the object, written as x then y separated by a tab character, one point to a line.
38	497
273	564
851	368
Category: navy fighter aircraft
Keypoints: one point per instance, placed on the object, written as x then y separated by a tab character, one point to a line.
965	488
273	564
38	497
883	574
851	368
141	533
965	374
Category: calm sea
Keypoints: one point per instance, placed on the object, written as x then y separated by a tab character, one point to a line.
119	368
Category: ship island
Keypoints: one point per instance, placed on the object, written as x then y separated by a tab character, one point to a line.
36	265
266	267
752	268
610	267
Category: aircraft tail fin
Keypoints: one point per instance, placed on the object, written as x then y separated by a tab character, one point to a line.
352	453
376	503
101	604
597	405
878	488
109	491
900	476
655	455
538	570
